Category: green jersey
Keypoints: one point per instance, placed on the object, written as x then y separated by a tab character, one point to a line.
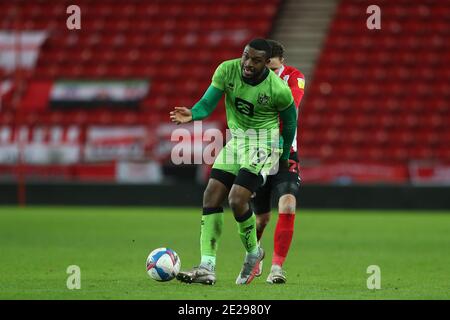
253	113
248	106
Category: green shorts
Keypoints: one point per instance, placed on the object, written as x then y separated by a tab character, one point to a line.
251	156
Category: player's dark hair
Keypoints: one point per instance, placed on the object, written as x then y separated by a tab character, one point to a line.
277	49
261	45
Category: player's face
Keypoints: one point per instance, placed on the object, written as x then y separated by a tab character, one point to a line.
253	63
275	63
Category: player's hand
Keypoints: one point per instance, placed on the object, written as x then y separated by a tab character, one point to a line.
181	115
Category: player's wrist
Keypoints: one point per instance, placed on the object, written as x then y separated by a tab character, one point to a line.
194	116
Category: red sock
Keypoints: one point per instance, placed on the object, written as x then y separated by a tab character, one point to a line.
283	237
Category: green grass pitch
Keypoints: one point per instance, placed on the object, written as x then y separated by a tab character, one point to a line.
329	255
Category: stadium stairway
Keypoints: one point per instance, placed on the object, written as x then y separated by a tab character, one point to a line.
302	27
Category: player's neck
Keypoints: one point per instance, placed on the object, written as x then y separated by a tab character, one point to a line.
258	80
280	70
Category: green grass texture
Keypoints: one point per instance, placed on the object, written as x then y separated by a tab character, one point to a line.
328	259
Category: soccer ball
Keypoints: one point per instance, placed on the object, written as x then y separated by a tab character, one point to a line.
163	264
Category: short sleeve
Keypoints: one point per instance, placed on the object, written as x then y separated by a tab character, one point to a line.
218	79
284	98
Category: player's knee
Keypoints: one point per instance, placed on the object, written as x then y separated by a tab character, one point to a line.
287	204
237	202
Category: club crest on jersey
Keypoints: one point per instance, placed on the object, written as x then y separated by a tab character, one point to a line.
263	99
230	86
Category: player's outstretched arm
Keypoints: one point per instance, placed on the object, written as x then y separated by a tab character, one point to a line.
201	109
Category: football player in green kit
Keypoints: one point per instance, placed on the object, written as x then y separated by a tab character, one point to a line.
255	99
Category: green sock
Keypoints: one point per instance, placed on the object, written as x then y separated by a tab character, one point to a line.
247	232
211	231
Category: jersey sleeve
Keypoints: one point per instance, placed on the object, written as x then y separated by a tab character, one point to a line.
207	104
284	98
218	79
297	85
289	119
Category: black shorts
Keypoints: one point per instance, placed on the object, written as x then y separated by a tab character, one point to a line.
244	179
284	182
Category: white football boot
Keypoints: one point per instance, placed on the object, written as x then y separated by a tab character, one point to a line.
276	275
197	275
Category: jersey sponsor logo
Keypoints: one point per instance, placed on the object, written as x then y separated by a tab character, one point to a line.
263	99
244	107
301	83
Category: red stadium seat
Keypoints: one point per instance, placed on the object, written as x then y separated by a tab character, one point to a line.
393	85
389	88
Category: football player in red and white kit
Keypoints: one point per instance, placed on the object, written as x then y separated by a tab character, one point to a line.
285	183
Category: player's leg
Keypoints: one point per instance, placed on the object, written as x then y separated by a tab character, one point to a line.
284	231
260	159
239	201
244	186
220	182
215	193
211	230
262	220
286	186
261	205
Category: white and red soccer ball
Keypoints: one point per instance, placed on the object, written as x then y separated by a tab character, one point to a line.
163	264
